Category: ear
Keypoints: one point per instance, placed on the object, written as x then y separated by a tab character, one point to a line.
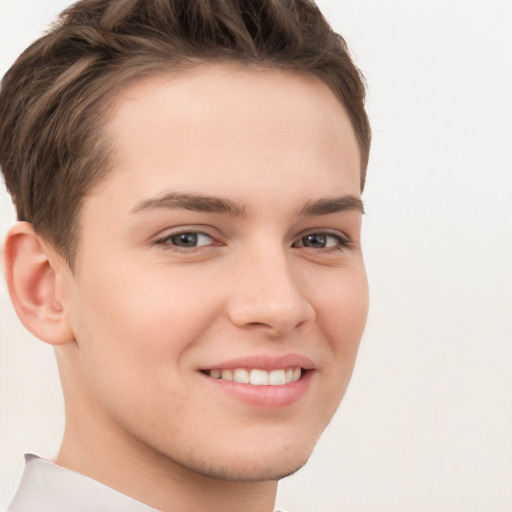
33	270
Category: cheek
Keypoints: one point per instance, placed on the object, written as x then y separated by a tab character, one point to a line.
141	321
343	308
341	316
136	337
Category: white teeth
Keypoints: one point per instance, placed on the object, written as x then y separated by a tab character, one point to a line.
258	377
277	378
227	375
241	375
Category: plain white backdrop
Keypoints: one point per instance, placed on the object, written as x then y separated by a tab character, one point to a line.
426	425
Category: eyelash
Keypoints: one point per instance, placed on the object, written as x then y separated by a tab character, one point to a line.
343	242
166	240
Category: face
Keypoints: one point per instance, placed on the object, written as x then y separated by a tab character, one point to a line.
220	293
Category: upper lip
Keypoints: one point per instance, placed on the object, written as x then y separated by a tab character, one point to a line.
265	362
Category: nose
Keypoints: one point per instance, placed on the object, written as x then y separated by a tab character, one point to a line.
267	295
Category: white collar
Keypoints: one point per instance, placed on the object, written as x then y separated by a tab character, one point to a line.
46	487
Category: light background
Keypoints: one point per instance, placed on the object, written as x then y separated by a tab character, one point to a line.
426	425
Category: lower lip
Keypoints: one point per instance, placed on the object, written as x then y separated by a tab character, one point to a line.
265	397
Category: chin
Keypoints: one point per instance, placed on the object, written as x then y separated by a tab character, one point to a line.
253	459
252	471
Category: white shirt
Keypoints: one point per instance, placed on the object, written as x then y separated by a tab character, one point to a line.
46	487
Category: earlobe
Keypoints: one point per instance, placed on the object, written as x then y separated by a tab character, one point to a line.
31	271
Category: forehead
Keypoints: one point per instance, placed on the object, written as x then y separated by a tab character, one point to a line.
226	129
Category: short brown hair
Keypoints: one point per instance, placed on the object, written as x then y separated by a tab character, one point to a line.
53	99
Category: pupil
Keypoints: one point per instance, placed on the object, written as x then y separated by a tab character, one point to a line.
185	239
315	241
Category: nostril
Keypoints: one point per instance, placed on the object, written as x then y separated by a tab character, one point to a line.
258	324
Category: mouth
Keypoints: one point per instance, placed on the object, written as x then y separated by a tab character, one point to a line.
265	381
257	376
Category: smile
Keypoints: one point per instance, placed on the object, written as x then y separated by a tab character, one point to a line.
258	377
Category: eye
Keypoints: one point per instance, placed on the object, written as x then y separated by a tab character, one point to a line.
321	241
187	239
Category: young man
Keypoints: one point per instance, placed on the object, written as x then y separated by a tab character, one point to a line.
187	178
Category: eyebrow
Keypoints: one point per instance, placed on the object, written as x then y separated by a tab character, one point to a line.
332	205
193	202
212	204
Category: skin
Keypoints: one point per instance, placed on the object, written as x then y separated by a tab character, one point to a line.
144	315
